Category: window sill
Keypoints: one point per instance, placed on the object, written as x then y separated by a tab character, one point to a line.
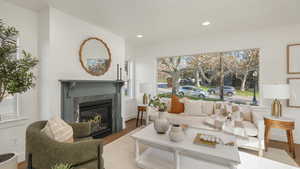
12	122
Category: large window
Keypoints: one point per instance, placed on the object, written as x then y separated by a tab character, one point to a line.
129	81
226	76
9	108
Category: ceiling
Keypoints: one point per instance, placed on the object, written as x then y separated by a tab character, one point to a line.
162	20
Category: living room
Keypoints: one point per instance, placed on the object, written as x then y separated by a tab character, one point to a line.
192	55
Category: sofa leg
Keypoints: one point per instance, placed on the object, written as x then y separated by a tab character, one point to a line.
260	152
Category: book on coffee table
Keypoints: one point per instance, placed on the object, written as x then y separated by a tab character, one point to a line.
199	141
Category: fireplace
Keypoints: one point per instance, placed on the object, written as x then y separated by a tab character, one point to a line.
99	113
83	100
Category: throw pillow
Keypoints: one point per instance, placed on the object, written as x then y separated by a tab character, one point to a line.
59	130
176	106
246	113
193	108
228	107
207	107
183	100
218	105
235	108
47	130
219	108
236	114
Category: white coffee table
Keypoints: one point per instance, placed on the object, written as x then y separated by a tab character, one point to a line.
165	154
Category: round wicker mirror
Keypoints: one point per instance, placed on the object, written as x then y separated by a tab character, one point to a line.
95	56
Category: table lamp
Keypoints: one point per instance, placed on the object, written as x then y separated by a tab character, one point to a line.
276	92
145	88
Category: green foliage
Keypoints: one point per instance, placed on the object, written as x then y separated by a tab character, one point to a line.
155	102
16	74
168	95
62	166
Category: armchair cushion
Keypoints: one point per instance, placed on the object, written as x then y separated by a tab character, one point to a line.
81	130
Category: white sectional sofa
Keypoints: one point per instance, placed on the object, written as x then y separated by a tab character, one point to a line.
254	127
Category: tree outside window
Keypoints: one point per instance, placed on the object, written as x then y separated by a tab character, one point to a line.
225	76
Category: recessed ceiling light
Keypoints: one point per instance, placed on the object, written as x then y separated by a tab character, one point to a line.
206	23
139	36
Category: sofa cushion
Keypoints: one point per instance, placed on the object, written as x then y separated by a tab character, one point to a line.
236	113
208	107
250	128
59	130
194	108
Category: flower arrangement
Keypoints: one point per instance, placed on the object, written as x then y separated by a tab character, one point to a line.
157	103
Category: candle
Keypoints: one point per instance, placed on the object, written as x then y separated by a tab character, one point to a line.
120	73
117	71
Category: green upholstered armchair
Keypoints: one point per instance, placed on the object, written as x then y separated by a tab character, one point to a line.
43	152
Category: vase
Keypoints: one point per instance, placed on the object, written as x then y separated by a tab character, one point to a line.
176	133
161	124
8	161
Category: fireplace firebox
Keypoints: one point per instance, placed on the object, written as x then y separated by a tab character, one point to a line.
99	113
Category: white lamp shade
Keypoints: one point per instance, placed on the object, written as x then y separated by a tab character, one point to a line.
145	88
276	91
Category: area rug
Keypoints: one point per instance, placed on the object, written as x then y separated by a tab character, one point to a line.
120	154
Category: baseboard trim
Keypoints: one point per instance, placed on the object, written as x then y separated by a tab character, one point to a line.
21	163
128	118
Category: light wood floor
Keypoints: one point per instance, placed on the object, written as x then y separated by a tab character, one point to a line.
130	125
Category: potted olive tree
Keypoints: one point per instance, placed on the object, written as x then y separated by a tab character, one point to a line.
16	76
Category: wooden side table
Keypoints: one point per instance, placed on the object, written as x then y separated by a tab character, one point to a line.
141	110
281	123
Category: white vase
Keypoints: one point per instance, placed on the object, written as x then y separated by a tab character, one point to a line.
161	124
176	133
8	161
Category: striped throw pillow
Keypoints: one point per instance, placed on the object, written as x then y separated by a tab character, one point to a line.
59	130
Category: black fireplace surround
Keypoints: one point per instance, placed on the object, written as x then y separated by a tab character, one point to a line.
83	100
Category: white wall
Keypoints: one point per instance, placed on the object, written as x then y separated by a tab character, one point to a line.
56	38
12	134
66	33
272	43
130	101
